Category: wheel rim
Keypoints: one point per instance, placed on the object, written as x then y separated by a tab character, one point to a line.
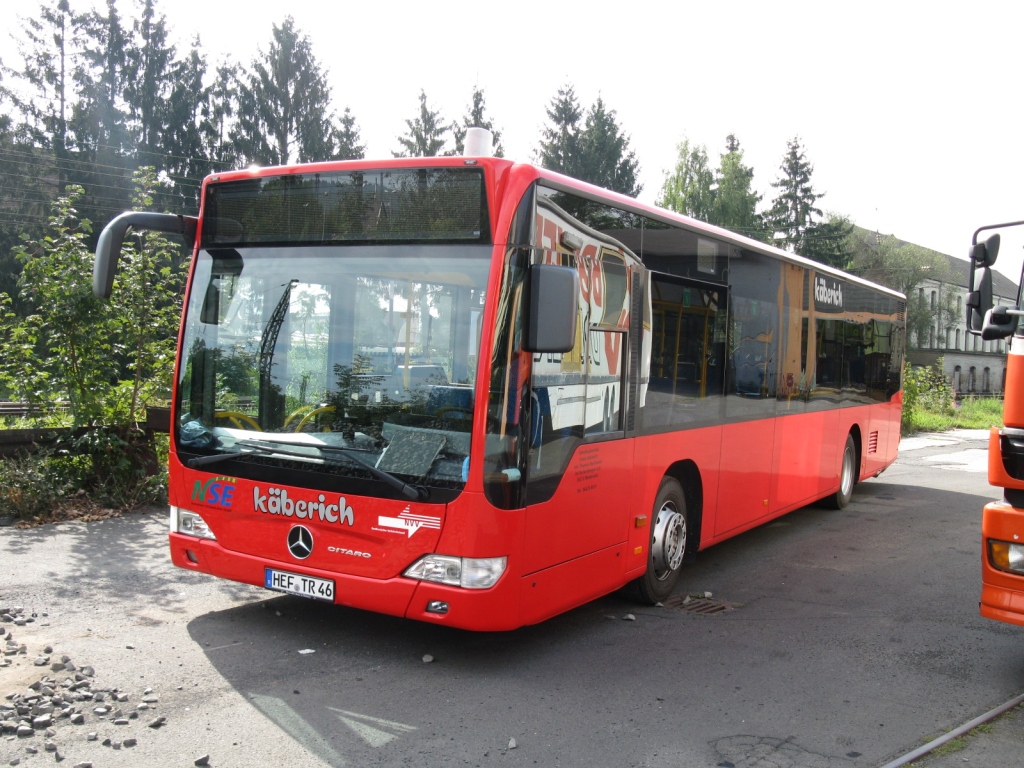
669	541
846	484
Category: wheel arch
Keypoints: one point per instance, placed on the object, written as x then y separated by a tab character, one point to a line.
685	472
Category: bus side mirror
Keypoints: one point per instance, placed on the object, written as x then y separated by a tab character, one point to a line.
552	309
999	324
108	247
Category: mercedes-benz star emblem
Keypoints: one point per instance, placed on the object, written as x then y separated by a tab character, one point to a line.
300	542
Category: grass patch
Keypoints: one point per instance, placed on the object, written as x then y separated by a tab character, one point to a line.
969	413
929	405
951	746
961	742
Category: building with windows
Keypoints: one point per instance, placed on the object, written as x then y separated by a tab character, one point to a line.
972	366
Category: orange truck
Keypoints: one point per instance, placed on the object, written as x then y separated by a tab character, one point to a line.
1002	522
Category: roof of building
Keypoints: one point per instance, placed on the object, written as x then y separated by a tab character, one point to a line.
959	269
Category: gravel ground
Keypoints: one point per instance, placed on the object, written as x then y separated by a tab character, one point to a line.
100	650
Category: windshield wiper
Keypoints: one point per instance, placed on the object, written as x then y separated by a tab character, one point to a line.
199	461
249	447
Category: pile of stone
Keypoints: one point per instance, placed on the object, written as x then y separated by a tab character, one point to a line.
68	695
15	614
11	647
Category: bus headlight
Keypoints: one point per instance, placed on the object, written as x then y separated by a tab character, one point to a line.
191	524
466	572
1006	556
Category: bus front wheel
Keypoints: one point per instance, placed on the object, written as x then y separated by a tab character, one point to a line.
669	529
847	476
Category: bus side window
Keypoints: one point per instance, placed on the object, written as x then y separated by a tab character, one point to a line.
687	352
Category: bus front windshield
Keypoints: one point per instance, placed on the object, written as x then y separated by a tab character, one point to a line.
330	359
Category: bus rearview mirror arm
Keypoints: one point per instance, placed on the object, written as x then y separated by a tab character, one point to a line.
108	247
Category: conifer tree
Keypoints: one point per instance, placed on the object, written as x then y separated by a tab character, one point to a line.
596	151
559	148
605	157
347	142
222	108
793	209
149	67
100	119
45	42
284	112
103	156
828	241
476	117
184	143
427	133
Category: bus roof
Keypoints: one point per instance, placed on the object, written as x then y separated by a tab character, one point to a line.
527	172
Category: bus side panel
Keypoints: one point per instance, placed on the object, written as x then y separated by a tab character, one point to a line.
744	484
553	590
588	511
894	412
1002	594
655	454
881	439
799	442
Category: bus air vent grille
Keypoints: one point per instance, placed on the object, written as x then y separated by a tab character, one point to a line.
704	606
873	442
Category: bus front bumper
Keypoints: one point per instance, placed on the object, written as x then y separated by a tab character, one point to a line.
495	609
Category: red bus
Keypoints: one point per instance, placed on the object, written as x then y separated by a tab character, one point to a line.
1002	522
477	393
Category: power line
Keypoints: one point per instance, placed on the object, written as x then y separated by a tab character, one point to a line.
33	159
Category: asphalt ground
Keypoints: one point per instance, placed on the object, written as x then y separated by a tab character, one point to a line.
850	638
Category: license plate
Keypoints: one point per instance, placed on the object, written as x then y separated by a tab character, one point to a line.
296	584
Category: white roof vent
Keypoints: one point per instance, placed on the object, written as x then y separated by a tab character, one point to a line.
479	143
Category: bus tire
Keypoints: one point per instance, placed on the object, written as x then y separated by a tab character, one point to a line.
847	477
670	525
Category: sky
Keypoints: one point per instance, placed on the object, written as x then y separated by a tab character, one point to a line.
910	112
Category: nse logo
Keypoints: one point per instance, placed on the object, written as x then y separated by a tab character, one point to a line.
217	491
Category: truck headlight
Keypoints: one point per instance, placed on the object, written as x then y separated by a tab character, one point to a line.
1006	556
466	572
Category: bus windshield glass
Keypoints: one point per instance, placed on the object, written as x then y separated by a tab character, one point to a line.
330	353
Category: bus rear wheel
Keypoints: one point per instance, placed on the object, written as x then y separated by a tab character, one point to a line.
669	529
847	477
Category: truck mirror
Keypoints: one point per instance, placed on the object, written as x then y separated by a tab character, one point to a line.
979	300
985	254
999	324
552	308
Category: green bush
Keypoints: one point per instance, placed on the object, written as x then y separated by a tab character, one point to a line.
32	485
929	404
89	364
